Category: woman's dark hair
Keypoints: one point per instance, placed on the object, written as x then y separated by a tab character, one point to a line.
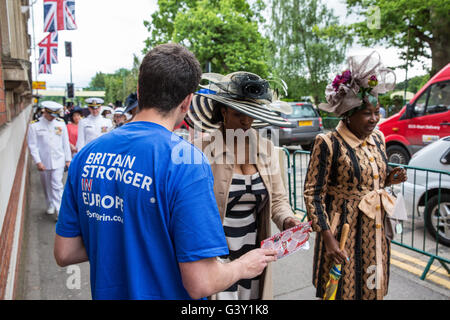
167	74
79	111
217	116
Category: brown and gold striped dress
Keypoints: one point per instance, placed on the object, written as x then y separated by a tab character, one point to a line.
342	170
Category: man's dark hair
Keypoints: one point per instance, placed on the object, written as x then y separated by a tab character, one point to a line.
168	73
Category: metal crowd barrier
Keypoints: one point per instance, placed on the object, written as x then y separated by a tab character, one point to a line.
420	188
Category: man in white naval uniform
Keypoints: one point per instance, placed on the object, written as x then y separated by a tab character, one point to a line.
93	125
48	141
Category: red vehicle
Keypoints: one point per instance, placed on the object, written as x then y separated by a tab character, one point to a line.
425	119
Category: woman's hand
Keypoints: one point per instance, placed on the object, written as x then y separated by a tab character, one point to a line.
332	248
396	176
290	222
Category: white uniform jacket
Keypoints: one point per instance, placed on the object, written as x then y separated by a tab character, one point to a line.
49	143
91	128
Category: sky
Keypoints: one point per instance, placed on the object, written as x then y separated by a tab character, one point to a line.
111	31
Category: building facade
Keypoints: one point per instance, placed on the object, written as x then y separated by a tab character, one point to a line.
15	112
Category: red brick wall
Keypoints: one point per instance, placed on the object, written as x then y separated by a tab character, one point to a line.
9	223
19	103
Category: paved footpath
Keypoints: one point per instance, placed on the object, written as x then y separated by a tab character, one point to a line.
41	279
293	280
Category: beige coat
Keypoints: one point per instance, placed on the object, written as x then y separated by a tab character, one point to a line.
276	208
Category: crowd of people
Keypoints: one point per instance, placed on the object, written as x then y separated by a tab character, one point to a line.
59	132
159	217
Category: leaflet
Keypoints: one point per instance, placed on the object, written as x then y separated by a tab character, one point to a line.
289	241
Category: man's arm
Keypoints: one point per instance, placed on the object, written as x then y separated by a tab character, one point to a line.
32	144
80	137
69	251
66	145
205	277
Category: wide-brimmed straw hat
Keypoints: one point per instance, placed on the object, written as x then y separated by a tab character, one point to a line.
243	91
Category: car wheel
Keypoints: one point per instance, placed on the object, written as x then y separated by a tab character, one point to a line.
437	218
397	154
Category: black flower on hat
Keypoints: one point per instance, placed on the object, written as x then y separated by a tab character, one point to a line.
250	86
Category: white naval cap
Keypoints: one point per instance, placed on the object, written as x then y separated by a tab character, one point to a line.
94	102
107	108
119	110
52	105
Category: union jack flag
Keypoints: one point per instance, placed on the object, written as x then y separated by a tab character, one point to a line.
48	49
59	15
45	68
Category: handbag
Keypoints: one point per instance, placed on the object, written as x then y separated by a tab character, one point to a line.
393	223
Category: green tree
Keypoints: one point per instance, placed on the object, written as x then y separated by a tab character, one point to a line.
307	45
222	34
225	35
414	84
97	82
416	27
161	25
117	85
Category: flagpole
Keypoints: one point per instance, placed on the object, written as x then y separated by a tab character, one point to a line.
36	70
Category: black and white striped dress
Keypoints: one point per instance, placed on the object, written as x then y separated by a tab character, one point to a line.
246	196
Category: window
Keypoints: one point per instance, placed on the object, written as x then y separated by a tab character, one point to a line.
439	99
419	107
303	111
445	159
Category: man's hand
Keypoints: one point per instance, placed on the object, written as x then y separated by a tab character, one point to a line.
290	222
40	166
67	164
254	262
205	277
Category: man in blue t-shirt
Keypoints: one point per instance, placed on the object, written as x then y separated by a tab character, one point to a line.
139	203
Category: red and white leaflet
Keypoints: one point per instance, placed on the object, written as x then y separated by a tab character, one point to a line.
289	241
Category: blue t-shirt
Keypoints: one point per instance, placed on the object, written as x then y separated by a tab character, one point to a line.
142	199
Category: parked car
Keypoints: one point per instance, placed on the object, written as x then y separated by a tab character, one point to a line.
425	119
420	193
308	124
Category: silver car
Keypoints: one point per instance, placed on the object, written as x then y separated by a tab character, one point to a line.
430	189
308	124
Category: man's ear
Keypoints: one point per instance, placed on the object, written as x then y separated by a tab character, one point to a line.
186	104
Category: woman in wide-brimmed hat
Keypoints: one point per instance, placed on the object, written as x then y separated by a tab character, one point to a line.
247	183
345	183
